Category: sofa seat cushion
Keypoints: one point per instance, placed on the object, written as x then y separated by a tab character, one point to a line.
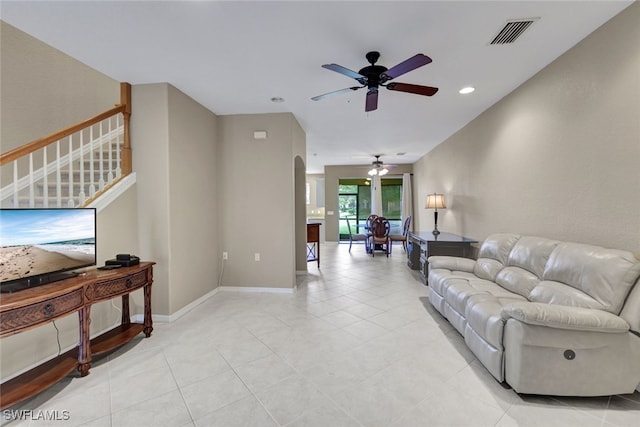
458	291
550	292
438	278
484	315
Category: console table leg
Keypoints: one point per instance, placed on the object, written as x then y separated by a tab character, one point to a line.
84	346
148	322
126	317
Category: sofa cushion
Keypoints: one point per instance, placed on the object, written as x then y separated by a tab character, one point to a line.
607	275
498	246
570	318
493	254
484	316
487	268
517	280
438	278
458	291
531	254
558	293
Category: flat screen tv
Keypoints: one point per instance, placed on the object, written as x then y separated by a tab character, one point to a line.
39	246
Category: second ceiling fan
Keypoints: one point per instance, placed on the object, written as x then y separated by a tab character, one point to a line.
373	76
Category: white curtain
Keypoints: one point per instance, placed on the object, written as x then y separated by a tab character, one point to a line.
407	200
376	196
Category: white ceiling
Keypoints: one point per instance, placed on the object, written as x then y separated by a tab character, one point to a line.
233	57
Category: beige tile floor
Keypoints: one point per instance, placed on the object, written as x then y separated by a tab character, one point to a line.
357	345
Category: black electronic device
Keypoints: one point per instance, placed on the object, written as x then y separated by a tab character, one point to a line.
124	260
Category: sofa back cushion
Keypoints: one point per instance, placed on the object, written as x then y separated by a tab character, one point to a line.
493	254
517	280
532	254
606	275
550	292
525	264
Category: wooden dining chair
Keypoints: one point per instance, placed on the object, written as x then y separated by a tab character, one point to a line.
402	237
357	237
380	228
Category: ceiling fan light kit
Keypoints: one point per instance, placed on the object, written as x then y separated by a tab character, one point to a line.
378	168
373	76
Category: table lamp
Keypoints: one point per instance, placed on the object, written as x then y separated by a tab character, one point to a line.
435	201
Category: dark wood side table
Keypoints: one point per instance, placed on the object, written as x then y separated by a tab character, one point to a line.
425	244
30	308
313	242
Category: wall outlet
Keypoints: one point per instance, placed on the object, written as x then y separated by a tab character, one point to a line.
225	255
256	256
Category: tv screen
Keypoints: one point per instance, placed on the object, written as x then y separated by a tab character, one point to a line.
38	246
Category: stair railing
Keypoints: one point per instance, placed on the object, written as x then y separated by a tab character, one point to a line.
71	167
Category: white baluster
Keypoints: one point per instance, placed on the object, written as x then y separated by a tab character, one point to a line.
70	154
45	179
15	184
118	148
92	178
81	194
110	148
31	200
58	176
101	166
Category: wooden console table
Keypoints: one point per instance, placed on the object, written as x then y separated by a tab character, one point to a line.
36	306
425	244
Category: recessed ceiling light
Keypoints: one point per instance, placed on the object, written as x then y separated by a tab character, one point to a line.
466	90
277	99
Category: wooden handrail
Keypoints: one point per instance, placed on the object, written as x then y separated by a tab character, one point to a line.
32	146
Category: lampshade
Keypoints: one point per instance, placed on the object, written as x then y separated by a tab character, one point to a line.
435	201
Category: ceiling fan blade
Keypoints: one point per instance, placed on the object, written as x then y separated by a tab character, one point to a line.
347	72
372	100
417	89
404	67
336	92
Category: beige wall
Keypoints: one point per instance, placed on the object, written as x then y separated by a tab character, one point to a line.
174	158
116	233
558	157
37	80
193	200
332	175
257	199
44	90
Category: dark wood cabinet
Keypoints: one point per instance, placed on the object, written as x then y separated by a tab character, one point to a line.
313	242
423	244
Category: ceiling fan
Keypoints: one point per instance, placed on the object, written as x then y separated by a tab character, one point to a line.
378	168
373	76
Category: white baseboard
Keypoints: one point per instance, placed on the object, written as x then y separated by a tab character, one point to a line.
163	318
257	289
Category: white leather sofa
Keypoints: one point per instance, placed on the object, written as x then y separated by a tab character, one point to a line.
544	316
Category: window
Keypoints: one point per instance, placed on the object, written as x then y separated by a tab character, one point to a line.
354	202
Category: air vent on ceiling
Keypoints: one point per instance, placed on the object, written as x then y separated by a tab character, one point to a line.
512	30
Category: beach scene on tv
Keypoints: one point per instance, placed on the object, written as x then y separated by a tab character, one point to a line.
39	241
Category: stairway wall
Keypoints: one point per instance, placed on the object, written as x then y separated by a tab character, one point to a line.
44	90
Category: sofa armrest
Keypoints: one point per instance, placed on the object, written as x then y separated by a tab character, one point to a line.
452	263
564	317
